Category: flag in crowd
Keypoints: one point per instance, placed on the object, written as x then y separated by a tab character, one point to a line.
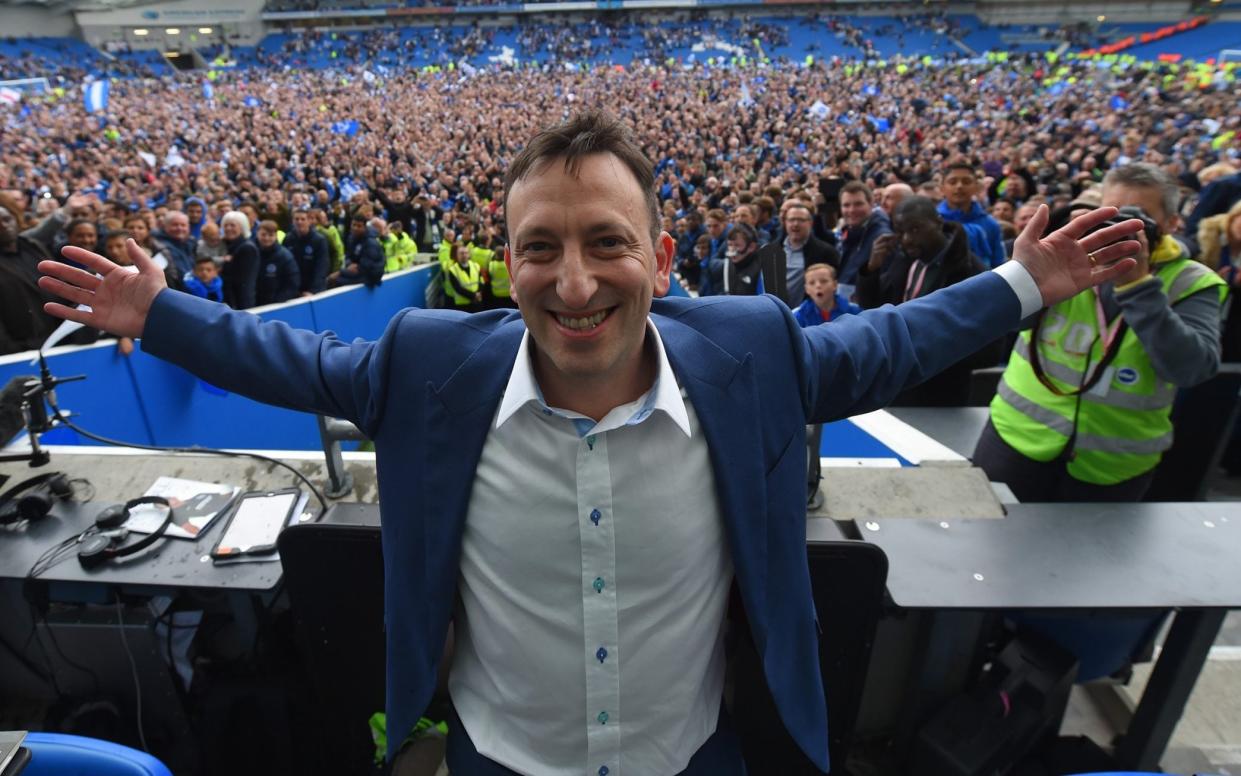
347	128
97	95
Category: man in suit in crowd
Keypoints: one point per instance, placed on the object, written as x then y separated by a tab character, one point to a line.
567	483
788	258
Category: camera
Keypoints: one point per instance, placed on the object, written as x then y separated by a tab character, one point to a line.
1150	227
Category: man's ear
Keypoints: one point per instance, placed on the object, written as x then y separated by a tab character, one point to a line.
665	250
512	278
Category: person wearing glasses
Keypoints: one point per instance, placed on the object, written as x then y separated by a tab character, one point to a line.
789	257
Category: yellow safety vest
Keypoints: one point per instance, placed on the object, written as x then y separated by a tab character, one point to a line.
468	276
497	271
1119	428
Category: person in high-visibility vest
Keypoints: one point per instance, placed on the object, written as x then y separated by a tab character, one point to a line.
497	288
399	247
1082	413
462	280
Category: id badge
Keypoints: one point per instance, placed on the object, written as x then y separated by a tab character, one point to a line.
1104	385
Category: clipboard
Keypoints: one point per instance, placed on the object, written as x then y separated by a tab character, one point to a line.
255	523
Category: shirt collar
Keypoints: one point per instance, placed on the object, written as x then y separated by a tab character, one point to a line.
664	395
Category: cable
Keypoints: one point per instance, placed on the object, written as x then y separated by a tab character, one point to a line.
46	376
196	449
133	667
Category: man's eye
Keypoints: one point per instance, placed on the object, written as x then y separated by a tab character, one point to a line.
609	242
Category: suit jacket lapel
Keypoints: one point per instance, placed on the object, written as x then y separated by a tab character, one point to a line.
724	393
458	418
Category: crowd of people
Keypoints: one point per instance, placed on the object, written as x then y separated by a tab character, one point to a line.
356	153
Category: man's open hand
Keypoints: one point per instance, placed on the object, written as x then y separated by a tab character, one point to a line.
119	298
1068	261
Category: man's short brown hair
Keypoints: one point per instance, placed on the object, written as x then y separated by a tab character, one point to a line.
587	133
857	187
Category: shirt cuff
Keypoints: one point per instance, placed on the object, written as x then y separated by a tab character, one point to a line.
1022	282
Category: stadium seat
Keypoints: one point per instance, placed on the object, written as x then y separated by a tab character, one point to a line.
848	580
340	629
59	754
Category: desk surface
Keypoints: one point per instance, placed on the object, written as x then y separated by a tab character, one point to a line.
1106	556
169	563
176	563
957	428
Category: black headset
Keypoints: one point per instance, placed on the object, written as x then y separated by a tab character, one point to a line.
98	548
32	499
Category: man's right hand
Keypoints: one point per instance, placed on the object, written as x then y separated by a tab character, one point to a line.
880	251
119	298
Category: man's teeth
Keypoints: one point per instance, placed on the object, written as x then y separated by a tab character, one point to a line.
582	323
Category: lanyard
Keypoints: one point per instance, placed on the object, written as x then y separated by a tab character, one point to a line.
1110	336
1108	333
909	279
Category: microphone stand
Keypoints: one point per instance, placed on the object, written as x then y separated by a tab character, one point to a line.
34	413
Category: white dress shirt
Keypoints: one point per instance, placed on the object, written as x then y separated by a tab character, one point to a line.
594	580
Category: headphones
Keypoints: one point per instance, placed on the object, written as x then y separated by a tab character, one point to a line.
98	548
41	493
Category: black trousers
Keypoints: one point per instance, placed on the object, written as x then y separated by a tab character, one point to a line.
1032	480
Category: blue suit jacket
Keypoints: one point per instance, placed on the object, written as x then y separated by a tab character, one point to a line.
427	391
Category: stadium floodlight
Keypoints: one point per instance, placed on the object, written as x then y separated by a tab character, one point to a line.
172	31
205	30
141	31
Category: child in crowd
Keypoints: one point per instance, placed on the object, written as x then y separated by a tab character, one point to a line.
823	303
114	248
205	280
211	244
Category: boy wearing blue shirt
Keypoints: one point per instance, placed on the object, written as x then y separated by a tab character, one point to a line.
205	280
824	303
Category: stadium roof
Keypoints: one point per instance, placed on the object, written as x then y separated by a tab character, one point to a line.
77	5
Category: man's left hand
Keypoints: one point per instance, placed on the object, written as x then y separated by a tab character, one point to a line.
1068	261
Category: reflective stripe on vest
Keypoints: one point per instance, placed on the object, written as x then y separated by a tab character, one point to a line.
1057	423
1162	397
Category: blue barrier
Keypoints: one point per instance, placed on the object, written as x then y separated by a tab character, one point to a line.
144	400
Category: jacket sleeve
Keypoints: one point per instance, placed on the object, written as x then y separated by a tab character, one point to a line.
321	261
44	232
271	362
1182	340
245	285
859	363
290	280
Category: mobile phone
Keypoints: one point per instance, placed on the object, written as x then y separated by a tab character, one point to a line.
256	522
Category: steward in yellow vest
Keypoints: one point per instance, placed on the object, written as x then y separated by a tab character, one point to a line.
1082	388
462	280
399	248
497	285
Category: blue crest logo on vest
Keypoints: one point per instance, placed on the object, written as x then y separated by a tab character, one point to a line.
1127	376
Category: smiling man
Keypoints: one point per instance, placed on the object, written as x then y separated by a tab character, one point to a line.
577	487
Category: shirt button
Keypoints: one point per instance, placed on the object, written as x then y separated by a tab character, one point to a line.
595	516
598	584
603	770
601	654
603	718
546	411
590	442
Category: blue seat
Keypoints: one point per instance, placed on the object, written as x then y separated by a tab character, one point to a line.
60	754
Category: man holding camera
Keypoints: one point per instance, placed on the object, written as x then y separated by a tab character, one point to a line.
1082	412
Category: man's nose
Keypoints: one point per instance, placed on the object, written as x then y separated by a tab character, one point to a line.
576	283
